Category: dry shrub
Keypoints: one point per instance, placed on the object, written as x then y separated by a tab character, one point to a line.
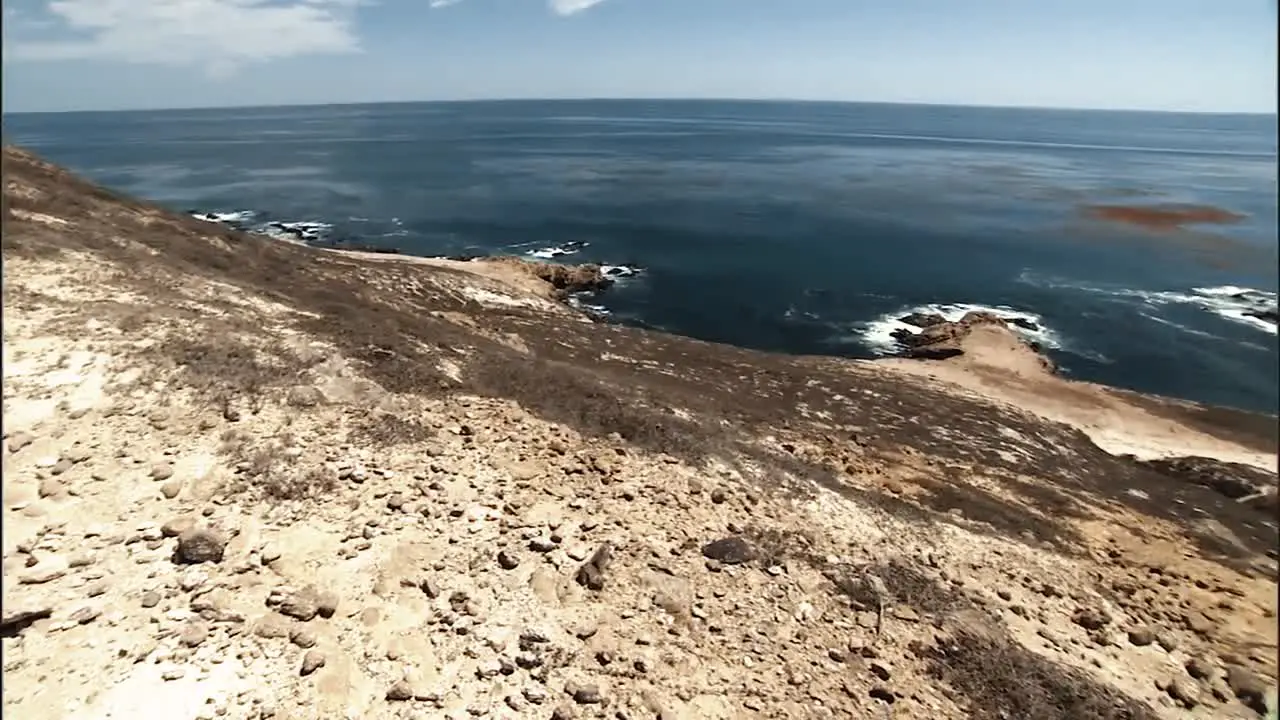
1003	680
387	429
222	370
294	484
909	586
572	395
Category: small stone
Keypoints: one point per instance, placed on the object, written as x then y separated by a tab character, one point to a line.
46	570
85	615
194	634
20	440
327	603
535	694
174	673
1185	691
50	487
269	553
1091	618
883	694
77	454
732	550
193	579
302	605
177	526
508	560
16	619
584	693
1199	668
1167	640
271	627
60	467
1142	636
591	574
171	488
431	588
563	712
302	637
304	396
201	545
1249	689
718	496
401	691
542	545
150	599
161	471
313	660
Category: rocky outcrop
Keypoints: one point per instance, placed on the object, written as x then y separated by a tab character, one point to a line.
940	339
566	279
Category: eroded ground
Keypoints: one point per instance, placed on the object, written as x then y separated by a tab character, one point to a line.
249	479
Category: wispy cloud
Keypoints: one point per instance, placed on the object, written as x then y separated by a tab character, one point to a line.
563	8
219	36
572	7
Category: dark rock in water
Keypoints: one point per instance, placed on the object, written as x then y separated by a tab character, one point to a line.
944	340
927	353
1232	480
1023	323
1268	315
572	278
923	320
732	550
465	257
902	336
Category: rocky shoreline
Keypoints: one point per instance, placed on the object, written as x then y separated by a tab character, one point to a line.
253	479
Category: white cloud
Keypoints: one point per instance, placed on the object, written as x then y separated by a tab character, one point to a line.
571	7
219	36
560	7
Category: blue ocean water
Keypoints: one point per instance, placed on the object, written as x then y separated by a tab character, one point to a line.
796	227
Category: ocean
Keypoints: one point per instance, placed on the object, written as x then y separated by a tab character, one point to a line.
794	227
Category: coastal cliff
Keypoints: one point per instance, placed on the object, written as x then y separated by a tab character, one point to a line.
250	478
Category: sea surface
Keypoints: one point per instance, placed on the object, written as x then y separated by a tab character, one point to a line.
795	227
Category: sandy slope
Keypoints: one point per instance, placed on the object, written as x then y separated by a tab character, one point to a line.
246	479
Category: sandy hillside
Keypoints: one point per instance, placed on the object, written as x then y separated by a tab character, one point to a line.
249	479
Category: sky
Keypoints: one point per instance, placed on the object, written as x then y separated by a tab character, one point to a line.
1187	55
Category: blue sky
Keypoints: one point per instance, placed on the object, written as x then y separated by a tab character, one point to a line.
1199	55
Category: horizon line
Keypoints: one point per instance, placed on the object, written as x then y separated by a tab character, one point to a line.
460	101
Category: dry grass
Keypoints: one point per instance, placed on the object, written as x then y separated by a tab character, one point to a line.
387	429
269	471
1001	680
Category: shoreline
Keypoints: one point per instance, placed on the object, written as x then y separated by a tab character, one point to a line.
243	474
877	338
998	365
